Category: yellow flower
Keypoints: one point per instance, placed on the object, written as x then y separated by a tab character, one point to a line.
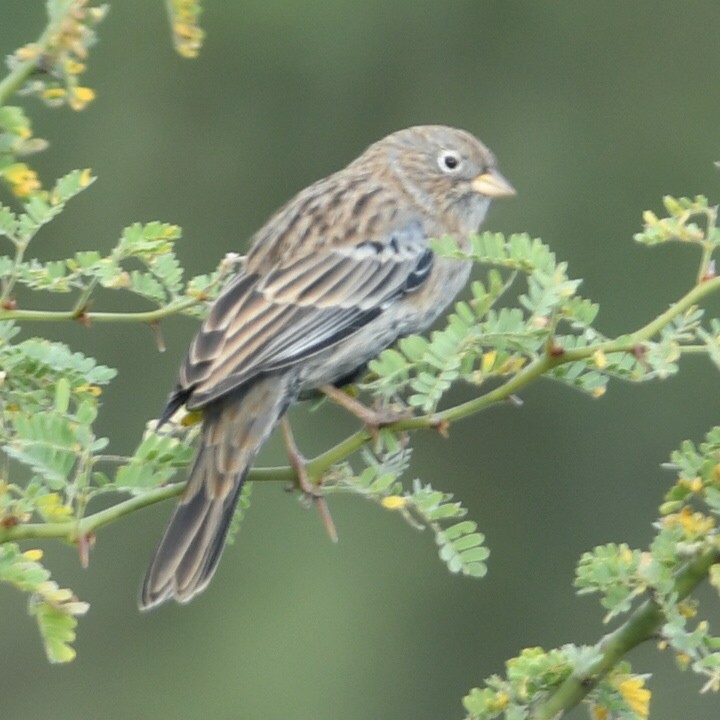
394	502
687	608
80	97
121	280
191	418
636	695
600	359
27	52
34	555
51	507
693	524
488	361
85	177
94	390
22	180
512	365
73	66
695	485
599	712
502	700
53	93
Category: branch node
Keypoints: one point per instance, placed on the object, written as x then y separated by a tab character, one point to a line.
639	351
442	425
81	315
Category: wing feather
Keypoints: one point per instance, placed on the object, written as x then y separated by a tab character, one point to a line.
296	308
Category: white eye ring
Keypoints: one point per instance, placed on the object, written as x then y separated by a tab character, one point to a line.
449	161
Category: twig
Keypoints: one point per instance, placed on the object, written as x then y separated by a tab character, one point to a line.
641	626
15	79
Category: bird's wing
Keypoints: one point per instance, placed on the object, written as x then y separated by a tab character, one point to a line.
297	308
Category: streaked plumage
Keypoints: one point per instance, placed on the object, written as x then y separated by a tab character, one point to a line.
334	277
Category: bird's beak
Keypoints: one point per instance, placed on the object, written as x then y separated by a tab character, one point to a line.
492	184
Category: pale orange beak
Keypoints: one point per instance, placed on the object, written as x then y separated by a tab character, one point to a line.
493	185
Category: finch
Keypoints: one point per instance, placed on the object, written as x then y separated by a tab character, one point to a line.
334	277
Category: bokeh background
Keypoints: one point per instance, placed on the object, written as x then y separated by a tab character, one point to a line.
595	110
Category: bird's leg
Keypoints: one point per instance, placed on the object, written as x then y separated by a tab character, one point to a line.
373	419
303	482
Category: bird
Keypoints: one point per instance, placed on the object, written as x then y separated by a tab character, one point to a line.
335	276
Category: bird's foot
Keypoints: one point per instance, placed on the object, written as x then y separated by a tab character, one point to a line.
311	491
374	419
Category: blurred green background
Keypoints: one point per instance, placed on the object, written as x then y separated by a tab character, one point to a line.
595	110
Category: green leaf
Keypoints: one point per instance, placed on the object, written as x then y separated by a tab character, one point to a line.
47	443
240	511
8	222
155	461
167	270
62	396
145	284
54	608
70	185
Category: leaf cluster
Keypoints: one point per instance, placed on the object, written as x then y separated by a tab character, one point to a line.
460	545
54	608
487	341
656	581
531	677
142	262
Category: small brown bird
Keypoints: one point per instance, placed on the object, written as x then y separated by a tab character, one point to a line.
334	277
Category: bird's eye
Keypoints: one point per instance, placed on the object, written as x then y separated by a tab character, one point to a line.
449	161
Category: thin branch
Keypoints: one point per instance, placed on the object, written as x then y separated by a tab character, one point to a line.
317	467
71	530
641	626
110	317
16	78
546	362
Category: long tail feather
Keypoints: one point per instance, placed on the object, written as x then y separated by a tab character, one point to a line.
233	432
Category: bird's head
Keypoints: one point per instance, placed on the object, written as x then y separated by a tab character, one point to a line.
448	173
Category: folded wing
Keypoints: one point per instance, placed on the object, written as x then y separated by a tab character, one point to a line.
294	309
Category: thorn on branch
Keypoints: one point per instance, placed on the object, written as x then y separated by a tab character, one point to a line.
710	272
442	426
639	352
157	332
85	544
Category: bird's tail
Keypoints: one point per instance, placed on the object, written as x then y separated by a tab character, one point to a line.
233	432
